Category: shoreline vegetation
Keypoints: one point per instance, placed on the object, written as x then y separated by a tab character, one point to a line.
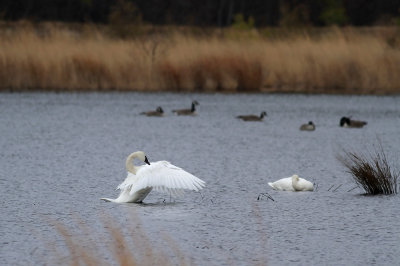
88	57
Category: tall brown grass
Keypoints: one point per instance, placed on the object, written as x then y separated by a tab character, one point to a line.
85	57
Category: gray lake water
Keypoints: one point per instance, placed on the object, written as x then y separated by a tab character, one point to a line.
61	152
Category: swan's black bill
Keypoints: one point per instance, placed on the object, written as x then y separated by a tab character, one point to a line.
146	160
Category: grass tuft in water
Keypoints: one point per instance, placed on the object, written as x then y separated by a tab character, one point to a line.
371	172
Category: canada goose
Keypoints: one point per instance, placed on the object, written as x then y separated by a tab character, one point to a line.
162	176
158	112
308	127
252	117
293	183
191	111
347	122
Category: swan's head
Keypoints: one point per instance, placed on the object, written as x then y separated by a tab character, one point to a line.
295	178
159	109
142	156
263	114
344	121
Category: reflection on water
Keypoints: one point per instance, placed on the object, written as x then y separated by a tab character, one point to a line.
61	152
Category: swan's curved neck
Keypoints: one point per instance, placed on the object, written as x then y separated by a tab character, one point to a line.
129	163
295	179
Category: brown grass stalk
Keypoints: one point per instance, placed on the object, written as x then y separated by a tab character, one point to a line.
135	248
373	173
61	57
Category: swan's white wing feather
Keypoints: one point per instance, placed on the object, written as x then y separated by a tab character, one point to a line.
130	180
282	184
305	185
164	176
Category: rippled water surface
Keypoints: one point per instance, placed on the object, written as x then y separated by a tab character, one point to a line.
61	152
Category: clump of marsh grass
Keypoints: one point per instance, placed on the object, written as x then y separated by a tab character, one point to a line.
371	172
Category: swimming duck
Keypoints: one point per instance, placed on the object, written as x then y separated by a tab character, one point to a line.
191	111
308	127
158	112
252	117
347	122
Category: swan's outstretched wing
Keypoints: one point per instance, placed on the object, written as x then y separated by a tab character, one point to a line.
166	177
128	182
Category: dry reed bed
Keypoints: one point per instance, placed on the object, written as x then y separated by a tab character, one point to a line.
341	61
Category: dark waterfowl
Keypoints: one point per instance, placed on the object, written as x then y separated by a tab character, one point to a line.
191	111
347	122
252	117
158	112
308	127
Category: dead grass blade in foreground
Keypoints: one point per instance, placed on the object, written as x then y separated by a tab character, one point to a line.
135	248
373	173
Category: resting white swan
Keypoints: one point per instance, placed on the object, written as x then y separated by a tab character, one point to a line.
293	183
162	176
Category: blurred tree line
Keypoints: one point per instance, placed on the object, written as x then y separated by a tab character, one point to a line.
220	13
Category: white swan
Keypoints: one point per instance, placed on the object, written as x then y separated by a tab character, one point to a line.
293	183
162	176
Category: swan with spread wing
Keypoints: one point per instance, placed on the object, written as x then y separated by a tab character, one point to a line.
161	176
